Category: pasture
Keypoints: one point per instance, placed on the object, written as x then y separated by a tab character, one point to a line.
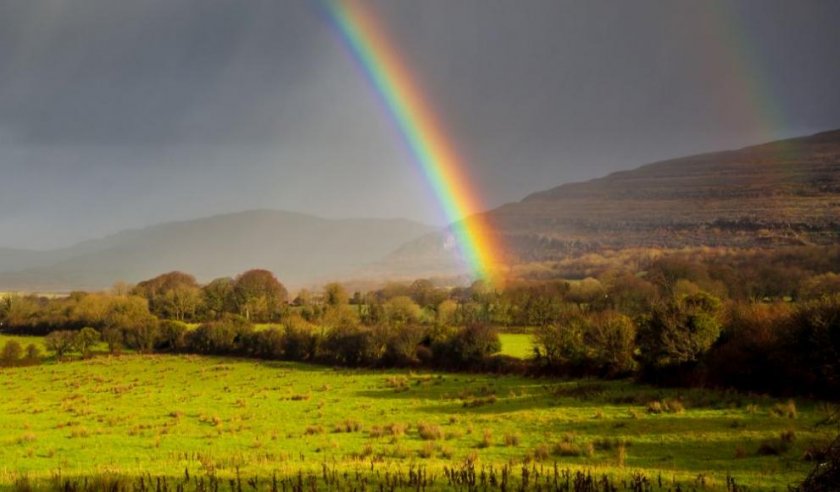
161	415
519	345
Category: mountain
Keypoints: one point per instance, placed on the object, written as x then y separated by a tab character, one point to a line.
298	248
11	258
780	193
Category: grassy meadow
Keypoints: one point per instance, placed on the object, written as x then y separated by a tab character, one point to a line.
519	345
154	415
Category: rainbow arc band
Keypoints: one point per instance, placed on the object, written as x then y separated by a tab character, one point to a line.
368	42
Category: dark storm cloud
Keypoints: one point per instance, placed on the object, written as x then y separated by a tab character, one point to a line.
118	114
137	72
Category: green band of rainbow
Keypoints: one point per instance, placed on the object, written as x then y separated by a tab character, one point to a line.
420	129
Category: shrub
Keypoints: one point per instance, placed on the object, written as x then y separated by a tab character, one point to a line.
173	335
348	425
826	472
225	336
512	440
566	448
403	342
486	438
748	353
312	430
12	352
33	354
429	432
776	447
113	336
265	344
673	406
396	430
472	344
787	410
141	335
350	345
665	406
621	454
427	450
61	342
85	339
606	444
811	348
541	452
679	332
611	338
561	345
301	340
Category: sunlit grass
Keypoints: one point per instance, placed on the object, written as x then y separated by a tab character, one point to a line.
161	414
519	345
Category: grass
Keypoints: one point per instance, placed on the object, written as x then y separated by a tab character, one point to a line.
98	348
519	345
26	340
163	414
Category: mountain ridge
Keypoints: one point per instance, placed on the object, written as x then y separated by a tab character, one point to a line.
779	193
298	247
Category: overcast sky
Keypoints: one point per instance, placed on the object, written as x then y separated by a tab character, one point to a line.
119	114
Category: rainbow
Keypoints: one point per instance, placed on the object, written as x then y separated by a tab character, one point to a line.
421	131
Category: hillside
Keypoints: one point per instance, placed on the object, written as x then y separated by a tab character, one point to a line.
780	193
11	258
785	192
298	248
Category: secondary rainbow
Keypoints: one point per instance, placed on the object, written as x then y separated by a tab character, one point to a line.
420	129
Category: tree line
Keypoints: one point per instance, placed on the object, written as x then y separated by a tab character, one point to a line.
677	319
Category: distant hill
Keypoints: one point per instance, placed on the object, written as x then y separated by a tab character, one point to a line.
780	193
776	194
299	248
11	258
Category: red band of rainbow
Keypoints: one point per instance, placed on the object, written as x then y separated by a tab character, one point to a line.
417	123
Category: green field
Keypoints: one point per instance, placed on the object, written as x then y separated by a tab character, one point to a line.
160	415
26	340
517	345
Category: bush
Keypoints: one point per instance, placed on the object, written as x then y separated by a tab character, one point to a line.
665	406
429	432
221	337
812	347
113	336
611	339
826	472
402	344
776	447
266	344
472	344
12	352
85	339
173	335
301	340
560	346
350	345
566	448
748	354
33	354
140	335
787	410
678	333
541	452
61	342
